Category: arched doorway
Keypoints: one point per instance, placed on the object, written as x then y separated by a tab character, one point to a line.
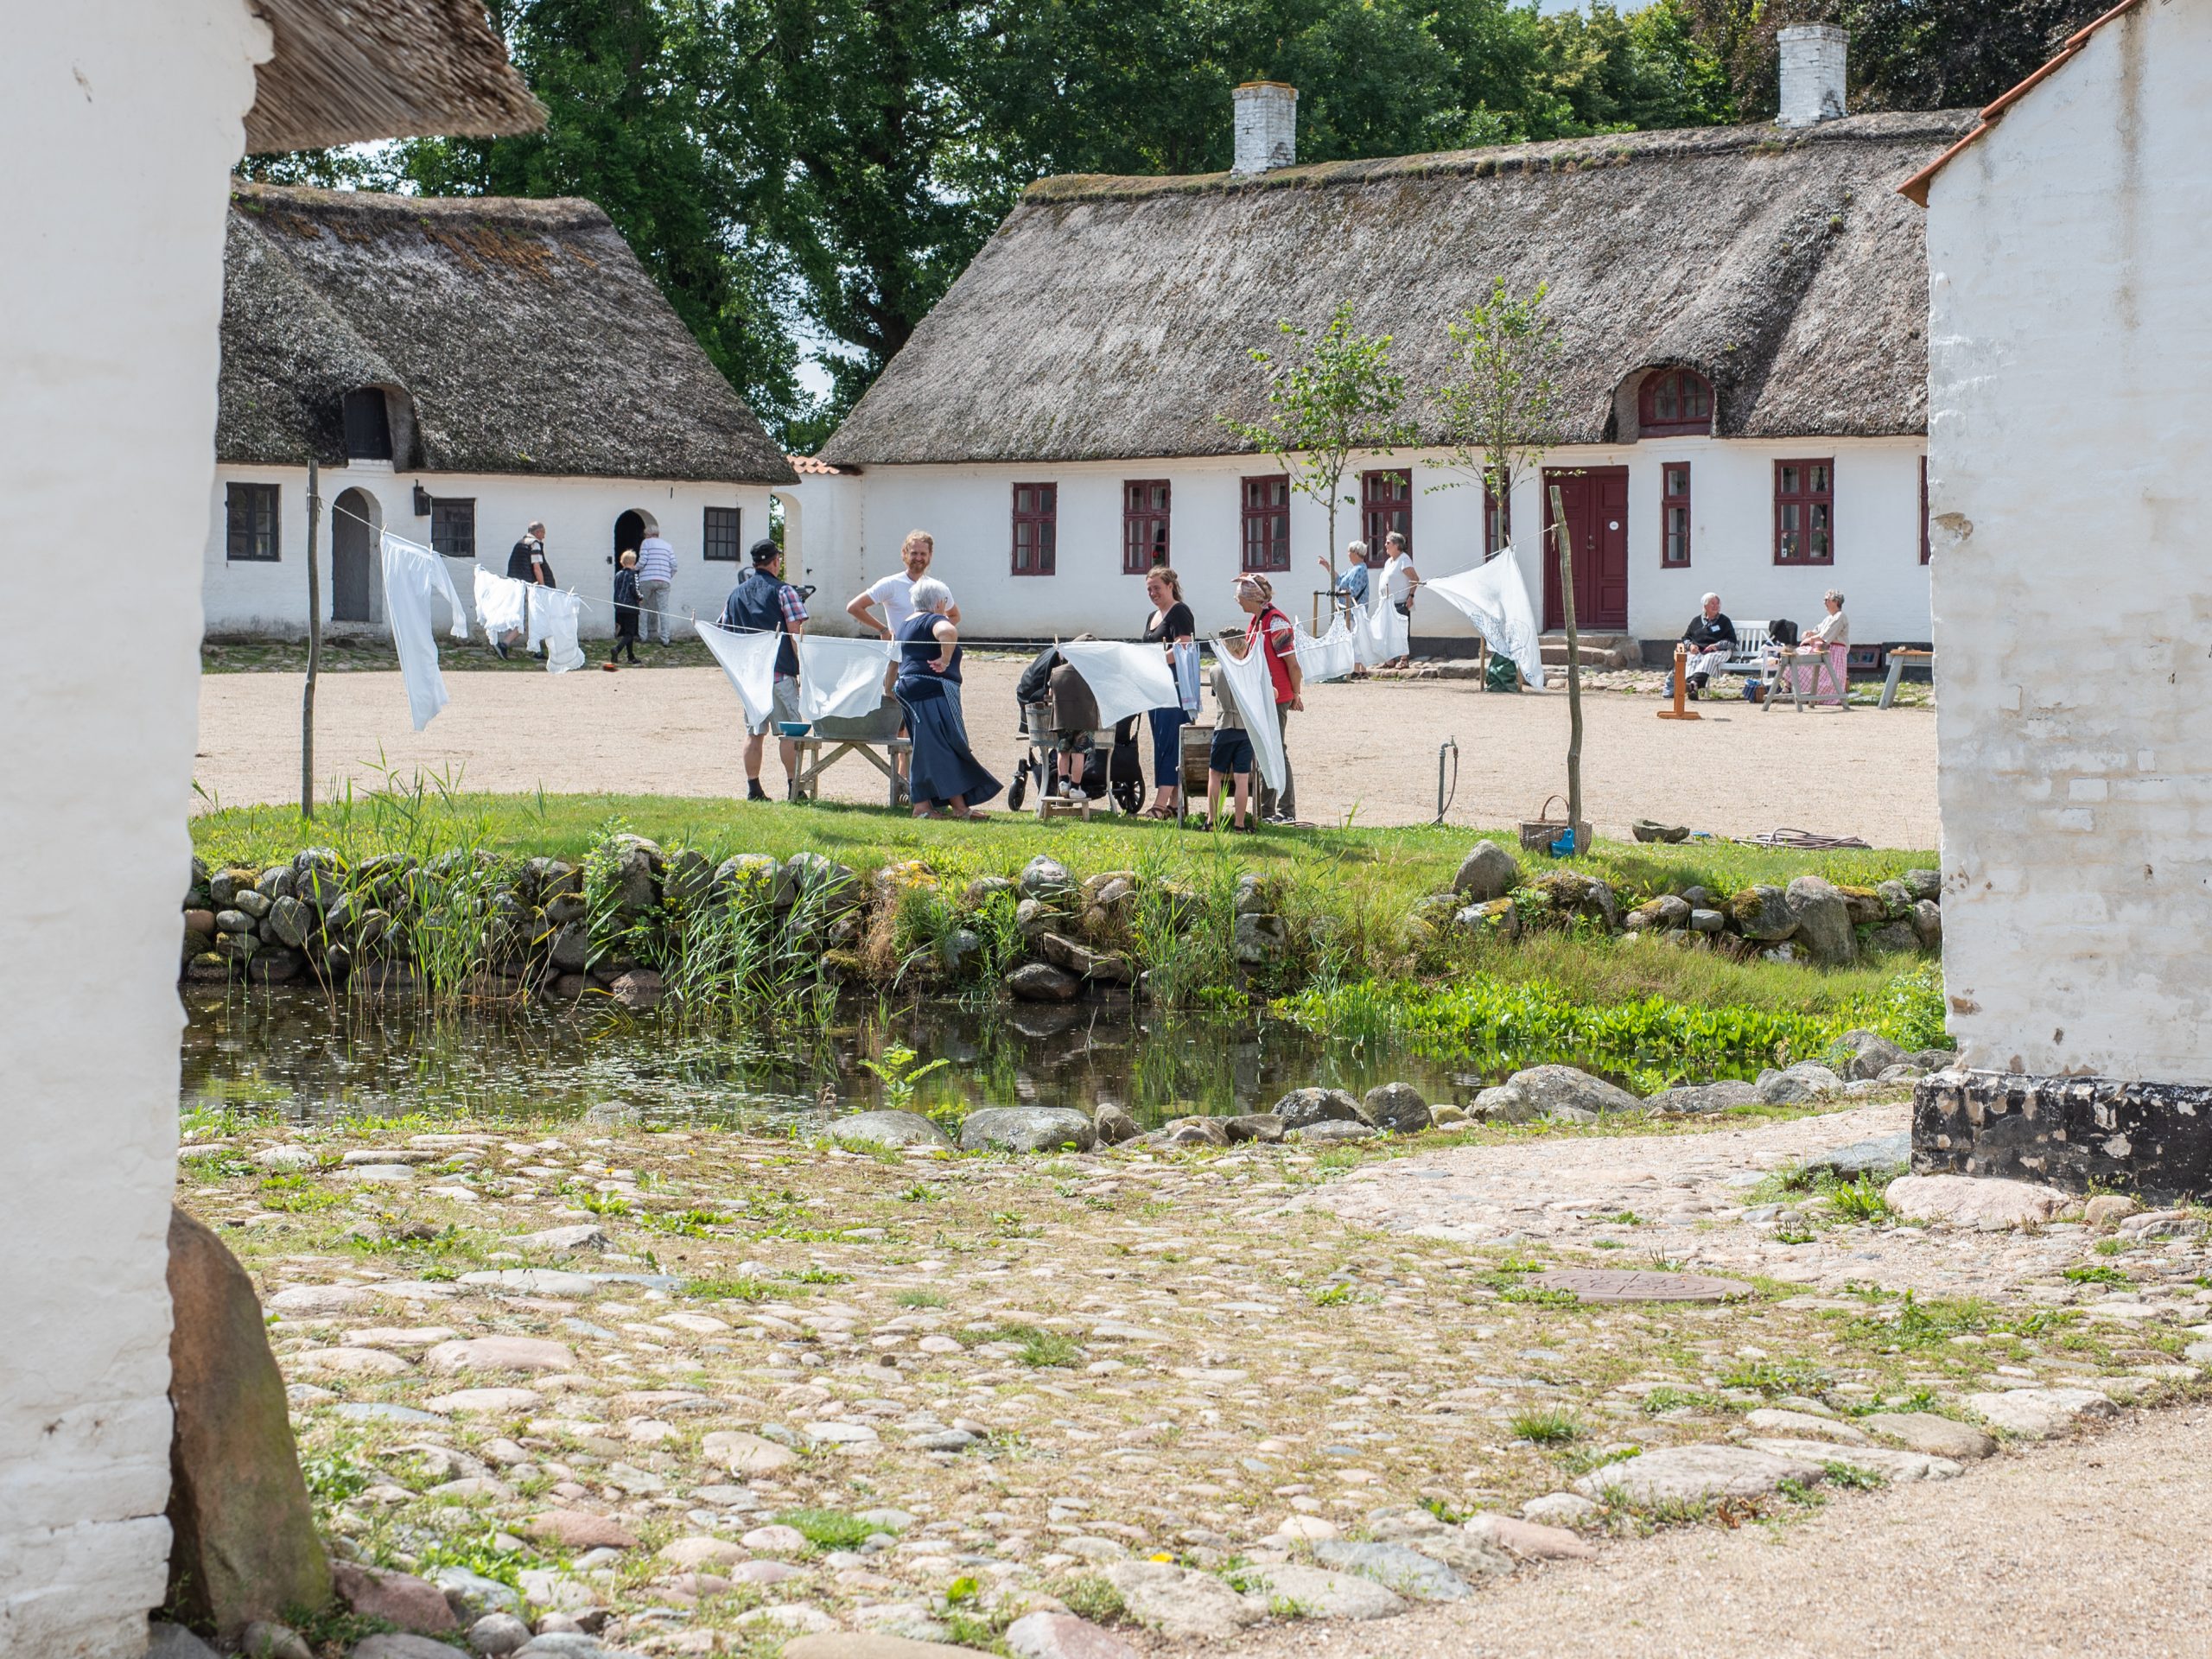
630	529
356	523
784	525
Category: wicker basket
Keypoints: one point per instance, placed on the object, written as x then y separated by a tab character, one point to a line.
1537	834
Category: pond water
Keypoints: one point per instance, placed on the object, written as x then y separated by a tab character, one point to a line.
302	1057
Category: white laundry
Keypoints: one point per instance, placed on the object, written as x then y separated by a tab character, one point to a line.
749	659
1330	658
1125	679
1183	659
1380	634
841	679
502	604
1495	598
554	618
1253	689
413	579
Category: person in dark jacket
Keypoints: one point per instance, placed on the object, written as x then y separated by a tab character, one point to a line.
626	607
945	776
527	563
763	602
1711	637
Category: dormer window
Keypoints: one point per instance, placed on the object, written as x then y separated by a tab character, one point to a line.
368	425
1674	404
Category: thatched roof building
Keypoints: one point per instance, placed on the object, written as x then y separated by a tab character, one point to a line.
520	336
1112	317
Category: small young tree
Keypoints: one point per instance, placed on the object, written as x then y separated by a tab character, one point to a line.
1501	405
1331	398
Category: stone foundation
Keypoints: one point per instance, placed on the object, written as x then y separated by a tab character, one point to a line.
2151	1139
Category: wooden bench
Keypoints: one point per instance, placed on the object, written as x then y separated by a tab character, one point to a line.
817	754
1899	659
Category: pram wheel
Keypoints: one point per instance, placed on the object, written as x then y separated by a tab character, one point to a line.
1018	791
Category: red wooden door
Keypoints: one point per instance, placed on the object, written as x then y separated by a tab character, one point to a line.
1595	502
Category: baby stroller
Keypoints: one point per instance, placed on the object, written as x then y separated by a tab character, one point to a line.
1122	776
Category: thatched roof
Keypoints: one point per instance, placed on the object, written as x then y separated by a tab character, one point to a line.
1111	317
524	334
346	73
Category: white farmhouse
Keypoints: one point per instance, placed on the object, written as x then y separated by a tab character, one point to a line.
1743	379
122	120
460	367
2069	246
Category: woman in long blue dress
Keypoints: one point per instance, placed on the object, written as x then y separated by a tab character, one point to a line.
943	776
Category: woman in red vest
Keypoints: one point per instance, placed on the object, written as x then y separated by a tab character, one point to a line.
1270	630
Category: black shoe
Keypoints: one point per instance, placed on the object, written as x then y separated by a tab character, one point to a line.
753	791
500	645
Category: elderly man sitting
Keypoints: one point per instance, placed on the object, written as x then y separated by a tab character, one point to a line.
1711	637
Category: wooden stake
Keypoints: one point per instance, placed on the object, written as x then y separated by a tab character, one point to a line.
1573	672
314	646
1680	711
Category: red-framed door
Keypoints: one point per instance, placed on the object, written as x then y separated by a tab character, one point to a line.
1596	503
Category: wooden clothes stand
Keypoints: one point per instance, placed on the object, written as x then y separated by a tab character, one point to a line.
817	754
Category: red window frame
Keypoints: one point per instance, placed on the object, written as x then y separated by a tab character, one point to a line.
1675	515
1675	403
1266	539
1145	504
1924	549
1386	503
1036	536
1804	512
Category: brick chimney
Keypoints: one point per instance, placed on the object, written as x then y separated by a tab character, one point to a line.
1814	58
1267	126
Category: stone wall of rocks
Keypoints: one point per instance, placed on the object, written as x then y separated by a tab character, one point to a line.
1809	920
2151	1139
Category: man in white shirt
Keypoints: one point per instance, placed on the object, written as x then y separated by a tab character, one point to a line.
894	594
656	575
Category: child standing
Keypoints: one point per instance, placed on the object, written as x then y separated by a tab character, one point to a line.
626	607
1229	762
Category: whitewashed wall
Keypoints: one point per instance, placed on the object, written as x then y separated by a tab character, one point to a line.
251	598
121	121
968	510
2070	463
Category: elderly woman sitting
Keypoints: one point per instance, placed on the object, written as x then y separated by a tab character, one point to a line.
1832	633
943	776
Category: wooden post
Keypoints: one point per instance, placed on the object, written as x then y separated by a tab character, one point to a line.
314	644
1681	710
1574	671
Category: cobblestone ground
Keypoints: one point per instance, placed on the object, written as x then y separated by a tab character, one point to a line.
702	1392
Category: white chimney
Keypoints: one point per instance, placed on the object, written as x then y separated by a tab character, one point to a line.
1814	57
1267	126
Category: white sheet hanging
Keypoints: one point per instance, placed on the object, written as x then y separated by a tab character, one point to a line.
1253	689
1125	679
555	620
414	580
841	679
1329	657
502	604
1184	663
1495	598
1380	635
749	659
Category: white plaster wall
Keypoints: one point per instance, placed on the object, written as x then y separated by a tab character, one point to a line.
968	510
120	120
2071	473
257	598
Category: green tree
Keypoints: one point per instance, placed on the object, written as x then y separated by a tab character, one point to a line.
1500	404
1334	397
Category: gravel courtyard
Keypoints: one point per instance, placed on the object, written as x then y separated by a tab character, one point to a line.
1365	749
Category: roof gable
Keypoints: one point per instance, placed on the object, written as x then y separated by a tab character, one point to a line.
525	333
1114	317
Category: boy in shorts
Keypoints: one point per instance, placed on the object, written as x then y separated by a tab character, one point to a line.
1229	762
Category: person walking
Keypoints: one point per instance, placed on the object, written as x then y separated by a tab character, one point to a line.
1270	631
656	576
945	779
763	602
626	609
1171	625
526	562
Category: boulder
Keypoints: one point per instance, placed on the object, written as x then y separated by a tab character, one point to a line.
1895	938
1573	893
1552	1091
1705	920
639	990
1498	915
1112	1125
1987	1206
571	948
1807	1080
1045	878
1331	1132
1302	1106
1264	1127
1082	960
1488	872
1027	1128
1866	906
1925	884
243	1541
1040	981
2107	1210
1896	896
1864	1055
1928	925
1191	1132
1259	938
1397	1107
888	1129
1688	1099
1696	1474
1657	915
1762	913
1823	920
399	1599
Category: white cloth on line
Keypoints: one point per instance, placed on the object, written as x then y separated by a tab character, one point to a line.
1329	657
1125	679
1495	598
1380	634
502	604
1183	661
1253	689
555	618
839	678
749	659
414	580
